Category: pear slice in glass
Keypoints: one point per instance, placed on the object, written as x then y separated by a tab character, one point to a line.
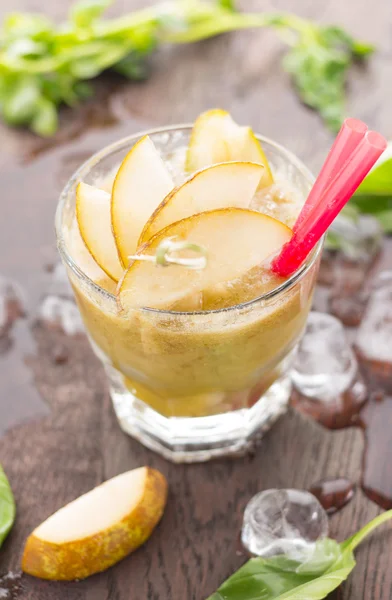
235	240
224	185
93	217
142	182
216	138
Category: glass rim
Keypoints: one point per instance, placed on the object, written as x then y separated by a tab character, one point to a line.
123	142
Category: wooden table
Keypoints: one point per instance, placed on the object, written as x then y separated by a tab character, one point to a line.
60	437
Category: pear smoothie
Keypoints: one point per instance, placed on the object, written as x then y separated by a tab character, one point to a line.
168	240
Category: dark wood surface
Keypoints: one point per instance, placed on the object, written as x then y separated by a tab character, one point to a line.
58	433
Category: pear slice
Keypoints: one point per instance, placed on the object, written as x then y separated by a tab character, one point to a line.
142	182
216	138
93	216
236	240
97	529
84	260
219	186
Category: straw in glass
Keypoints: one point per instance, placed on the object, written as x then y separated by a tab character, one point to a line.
327	206
348	138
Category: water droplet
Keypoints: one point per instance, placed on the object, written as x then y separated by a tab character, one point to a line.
333	494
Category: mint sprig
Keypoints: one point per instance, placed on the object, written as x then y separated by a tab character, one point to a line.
43	65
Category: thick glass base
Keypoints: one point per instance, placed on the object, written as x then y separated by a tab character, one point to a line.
197	439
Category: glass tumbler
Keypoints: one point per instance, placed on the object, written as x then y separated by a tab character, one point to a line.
196	385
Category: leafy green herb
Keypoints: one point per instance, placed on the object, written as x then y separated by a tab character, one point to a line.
7	506
43	65
319	64
279	578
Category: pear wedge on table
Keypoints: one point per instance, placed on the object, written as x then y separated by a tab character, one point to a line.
225	185
142	182
97	529
216	138
235	239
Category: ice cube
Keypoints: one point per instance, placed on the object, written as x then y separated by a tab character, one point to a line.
374	338
359	239
325	365
58	308
62	313
349	309
59	283
279	200
375	334
284	521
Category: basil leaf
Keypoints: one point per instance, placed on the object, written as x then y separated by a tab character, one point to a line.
261	579
7	506
258	580
280	578
353	542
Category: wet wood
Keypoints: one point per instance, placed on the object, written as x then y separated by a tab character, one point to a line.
65	442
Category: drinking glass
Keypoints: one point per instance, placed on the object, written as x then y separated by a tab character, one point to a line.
196	385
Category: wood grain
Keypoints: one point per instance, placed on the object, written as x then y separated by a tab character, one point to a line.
55	456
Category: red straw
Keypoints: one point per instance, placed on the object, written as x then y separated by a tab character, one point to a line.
348	138
331	202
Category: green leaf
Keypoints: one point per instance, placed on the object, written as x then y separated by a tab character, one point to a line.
84	13
362	49
353	542
85	68
378	181
227	4
318	69
133	67
83	90
24	25
279	578
7	506
374	195
20	100
44	122
262	579
371	203
25	47
60	87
